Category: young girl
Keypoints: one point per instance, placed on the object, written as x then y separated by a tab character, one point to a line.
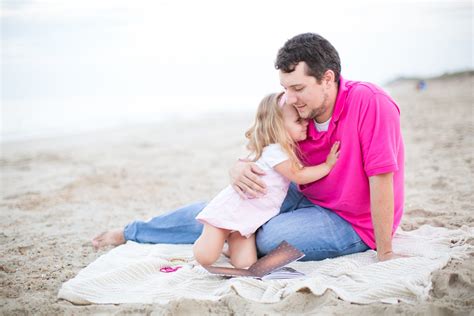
272	144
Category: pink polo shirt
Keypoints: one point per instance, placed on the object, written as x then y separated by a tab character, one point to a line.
367	122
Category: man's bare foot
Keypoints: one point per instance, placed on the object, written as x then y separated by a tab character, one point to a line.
108	238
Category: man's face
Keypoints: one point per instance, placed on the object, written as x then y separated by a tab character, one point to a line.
304	92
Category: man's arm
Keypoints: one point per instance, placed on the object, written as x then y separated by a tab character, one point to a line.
245	179
382	210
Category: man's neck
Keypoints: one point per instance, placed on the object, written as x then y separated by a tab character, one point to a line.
323	118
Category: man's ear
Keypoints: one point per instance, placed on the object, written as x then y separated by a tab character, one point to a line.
329	77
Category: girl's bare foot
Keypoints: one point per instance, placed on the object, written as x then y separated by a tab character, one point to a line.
108	238
225	250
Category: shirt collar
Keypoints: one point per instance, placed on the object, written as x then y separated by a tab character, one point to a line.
337	111
340	100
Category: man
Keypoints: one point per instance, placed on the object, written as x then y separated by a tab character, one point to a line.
357	206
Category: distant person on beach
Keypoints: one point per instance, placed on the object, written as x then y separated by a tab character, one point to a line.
357	206
421	85
272	142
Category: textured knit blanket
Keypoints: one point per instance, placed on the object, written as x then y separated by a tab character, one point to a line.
131	273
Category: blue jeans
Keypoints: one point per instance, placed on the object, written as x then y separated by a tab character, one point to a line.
318	232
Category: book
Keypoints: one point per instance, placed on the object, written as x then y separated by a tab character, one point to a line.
283	273
271	266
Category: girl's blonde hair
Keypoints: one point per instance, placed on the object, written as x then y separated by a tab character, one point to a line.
269	128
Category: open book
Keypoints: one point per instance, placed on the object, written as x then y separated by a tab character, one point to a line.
271	266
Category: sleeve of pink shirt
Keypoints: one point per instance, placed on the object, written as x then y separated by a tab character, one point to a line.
379	130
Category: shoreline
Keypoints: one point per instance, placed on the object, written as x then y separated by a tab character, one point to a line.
55	135
114	125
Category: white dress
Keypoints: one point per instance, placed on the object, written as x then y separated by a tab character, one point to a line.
229	211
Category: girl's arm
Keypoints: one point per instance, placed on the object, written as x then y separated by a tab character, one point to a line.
311	173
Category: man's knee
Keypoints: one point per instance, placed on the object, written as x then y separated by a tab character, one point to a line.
268	237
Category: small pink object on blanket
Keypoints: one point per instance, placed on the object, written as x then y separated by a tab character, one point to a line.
170	269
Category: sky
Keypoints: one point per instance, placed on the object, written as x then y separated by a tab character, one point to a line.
109	62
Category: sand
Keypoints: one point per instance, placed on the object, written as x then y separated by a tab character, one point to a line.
57	193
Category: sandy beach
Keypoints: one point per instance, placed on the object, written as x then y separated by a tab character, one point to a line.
58	193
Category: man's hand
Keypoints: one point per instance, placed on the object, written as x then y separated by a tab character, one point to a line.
245	179
389	256
384	256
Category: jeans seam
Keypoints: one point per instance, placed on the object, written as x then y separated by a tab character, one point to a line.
338	251
353	244
299	202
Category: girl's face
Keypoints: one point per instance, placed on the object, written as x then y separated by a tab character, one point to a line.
296	126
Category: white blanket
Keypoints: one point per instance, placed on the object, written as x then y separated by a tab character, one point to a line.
131	274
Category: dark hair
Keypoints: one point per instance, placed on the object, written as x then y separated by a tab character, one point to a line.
318	54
